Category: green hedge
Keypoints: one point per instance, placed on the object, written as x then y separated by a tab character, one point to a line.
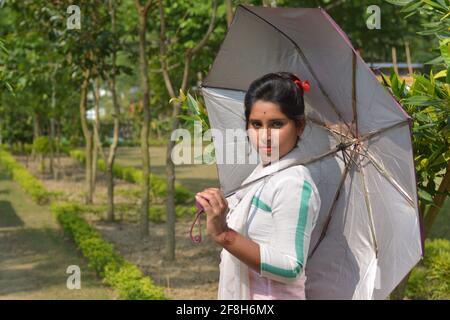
24	178
158	213
123	276
430	280
158	185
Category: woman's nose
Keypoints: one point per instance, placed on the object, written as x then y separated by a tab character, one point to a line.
265	135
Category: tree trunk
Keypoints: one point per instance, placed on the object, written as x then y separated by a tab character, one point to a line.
52	126
58	150
97	142
170	205
87	136
170	167
229	10
143	68
439	199
36	134
110	216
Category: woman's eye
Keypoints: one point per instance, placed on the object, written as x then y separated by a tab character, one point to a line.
256	125
277	124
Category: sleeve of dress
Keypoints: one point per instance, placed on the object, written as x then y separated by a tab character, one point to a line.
295	206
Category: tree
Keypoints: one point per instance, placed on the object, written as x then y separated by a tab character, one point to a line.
145	88
189	53
116	114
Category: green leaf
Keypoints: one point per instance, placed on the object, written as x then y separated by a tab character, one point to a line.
400	2
425	196
420	101
445	52
437	60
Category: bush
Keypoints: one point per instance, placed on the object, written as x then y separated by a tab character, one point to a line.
158	213
123	276
430	280
127	279
24	178
158	185
42	145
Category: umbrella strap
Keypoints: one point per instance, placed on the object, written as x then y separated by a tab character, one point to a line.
197	221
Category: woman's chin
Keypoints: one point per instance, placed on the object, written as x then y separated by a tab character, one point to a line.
268	156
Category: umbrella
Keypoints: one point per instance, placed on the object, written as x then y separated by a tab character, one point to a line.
357	146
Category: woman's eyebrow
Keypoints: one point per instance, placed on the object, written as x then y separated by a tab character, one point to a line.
281	119
278	119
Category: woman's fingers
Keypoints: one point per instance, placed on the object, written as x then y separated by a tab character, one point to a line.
215	198
211	199
216	194
205	204
220	196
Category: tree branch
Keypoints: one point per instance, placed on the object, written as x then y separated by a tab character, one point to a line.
209	31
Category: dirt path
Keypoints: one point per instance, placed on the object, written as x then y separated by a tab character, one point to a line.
194	274
33	254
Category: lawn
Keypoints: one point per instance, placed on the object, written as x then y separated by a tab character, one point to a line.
34	255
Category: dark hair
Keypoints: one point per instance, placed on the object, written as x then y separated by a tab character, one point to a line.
278	88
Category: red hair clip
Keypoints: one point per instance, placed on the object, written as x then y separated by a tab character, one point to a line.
303	85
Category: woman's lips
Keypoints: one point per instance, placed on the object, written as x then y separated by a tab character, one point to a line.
265	149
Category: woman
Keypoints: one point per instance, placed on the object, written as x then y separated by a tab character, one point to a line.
265	229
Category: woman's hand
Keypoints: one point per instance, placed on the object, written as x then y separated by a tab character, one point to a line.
216	208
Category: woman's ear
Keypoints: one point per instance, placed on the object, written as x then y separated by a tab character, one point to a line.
301	125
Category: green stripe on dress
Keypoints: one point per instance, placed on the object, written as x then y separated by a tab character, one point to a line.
299	240
260	204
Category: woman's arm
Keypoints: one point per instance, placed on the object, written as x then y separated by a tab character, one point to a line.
241	247
216	208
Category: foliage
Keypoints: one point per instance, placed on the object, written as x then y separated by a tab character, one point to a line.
24	178
42	145
133	175
427	102
125	277
158	213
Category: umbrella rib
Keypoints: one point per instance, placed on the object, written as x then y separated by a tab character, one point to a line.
369	135
308	65
355	114
369	210
385	173
322	124
333	206
361	138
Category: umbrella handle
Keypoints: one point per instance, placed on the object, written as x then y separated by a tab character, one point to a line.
197	221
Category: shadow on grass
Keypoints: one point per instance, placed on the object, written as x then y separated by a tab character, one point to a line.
8	215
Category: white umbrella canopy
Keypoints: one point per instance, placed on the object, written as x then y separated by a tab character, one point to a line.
357	146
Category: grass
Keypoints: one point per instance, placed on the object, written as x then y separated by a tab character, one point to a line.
34	256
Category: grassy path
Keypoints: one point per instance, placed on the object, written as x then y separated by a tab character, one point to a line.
34	255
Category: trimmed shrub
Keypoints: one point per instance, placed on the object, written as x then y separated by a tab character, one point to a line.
120	274
158	213
24	178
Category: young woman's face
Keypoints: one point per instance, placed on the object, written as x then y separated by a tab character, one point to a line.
270	131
